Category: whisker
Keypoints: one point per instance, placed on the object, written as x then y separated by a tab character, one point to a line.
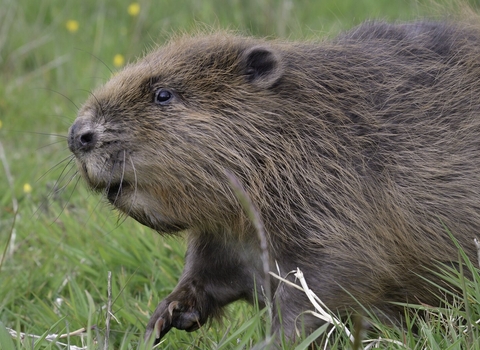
102	113
112	173
70	159
39	133
121	179
132	202
62	188
56	189
50	144
105	191
96	57
134	186
96	99
125	215
69	197
65	119
59	93
63	175
99	201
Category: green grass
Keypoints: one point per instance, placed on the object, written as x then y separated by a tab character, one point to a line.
60	245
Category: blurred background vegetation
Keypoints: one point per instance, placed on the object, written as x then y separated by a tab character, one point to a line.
57	241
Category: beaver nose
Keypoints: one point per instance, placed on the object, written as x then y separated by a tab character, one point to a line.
81	137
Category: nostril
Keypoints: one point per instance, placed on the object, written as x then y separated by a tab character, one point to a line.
86	141
82	137
87	138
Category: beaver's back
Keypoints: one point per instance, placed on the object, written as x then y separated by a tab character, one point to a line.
384	160
389	115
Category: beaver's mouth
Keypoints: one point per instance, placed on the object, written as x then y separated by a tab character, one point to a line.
114	191
119	186
126	197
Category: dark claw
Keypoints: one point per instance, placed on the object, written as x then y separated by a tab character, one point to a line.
168	315
161	328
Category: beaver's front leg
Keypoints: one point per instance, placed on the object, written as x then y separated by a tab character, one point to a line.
217	272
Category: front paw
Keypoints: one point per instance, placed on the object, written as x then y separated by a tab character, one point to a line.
170	314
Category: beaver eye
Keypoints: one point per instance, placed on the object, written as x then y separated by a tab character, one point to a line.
163	96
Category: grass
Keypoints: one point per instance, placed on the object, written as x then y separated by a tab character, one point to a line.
58	242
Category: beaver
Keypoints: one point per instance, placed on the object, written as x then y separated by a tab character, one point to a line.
360	154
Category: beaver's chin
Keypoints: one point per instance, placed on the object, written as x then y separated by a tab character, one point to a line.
142	207
129	197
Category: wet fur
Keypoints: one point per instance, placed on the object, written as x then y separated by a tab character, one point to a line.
358	152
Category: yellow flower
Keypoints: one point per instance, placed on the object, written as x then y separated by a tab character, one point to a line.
133	9
27	188
72	25
118	60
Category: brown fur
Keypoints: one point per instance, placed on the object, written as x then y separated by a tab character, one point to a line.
358	153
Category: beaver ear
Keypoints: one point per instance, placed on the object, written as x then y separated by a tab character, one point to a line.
262	66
